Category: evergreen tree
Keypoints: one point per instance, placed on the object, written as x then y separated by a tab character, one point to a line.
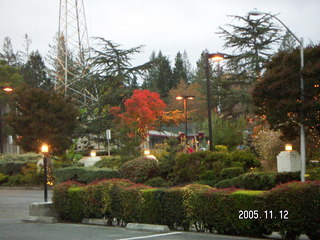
179	70
252	42
42	116
159	77
278	95
113	78
8	55
188	67
26	45
35	73
288	43
228	99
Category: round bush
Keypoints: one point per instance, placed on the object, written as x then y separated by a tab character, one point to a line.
231	172
3	178
226	183
157	182
139	169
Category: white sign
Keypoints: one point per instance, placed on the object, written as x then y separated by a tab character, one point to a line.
10	139
108	134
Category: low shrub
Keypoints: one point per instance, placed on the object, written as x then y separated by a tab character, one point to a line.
259	180
231	172
255	181
213	157
157	182
15	180
285	177
314	174
140	169
3	178
188	167
108	162
226	183
32	175
84	175
11	168
68	204
227	211
26	157
11	164
208	177
246	158
193	204
252	181
235	207
296	209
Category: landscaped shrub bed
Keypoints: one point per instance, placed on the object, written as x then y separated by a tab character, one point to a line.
11	164
259	180
290	209
84	175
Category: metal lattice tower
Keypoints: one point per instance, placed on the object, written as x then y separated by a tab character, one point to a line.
72	51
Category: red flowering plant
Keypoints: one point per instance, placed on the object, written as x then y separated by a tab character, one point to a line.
142	112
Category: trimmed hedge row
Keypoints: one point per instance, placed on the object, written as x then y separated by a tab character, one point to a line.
84	175
259	180
11	164
199	206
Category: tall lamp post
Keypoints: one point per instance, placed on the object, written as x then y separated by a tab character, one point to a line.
255	12
45	152
7	89
185	106
215	57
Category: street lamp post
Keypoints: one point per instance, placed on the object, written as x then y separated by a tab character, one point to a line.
45	152
255	12
185	106
5	89
215	57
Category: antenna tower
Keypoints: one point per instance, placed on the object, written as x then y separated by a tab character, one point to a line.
72	51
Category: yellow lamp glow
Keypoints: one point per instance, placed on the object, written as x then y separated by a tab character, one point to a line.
93	153
288	147
44	148
146	152
179	97
216	57
7	89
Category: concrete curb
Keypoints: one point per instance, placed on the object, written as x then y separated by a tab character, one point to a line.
95	221
38	219
21	188
148	227
44	209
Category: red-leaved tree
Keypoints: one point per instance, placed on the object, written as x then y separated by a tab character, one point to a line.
142	112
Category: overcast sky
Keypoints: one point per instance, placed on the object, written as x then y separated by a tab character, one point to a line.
167	25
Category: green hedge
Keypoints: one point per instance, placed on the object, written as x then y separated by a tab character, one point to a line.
11	164
259	180
140	169
200	206
231	172
300	203
84	174
192	167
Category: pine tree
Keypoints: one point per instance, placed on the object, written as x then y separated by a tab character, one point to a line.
252	42
288	43
159	77
35	72
8	55
179	70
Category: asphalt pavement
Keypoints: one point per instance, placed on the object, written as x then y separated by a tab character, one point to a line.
14	206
